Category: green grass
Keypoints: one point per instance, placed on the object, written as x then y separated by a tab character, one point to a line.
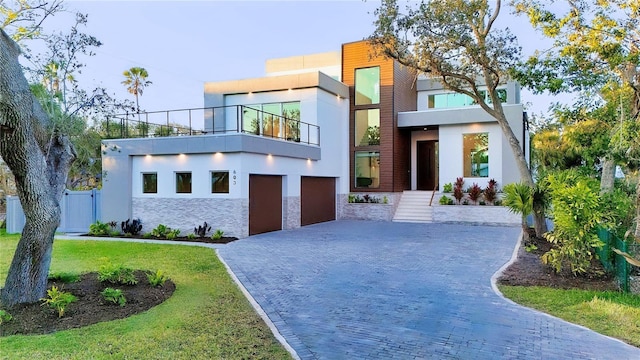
206	318
610	313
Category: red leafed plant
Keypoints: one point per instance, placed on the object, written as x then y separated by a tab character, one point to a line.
474	193
457	189
490	191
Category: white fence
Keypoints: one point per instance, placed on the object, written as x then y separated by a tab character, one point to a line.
79	210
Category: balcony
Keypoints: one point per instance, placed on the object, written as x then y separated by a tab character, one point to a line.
455	116
237	119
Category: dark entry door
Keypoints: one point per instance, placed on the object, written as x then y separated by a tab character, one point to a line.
265	203
427	164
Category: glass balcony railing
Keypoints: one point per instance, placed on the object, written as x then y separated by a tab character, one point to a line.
215	120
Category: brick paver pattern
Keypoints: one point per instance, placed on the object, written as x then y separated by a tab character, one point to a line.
380	290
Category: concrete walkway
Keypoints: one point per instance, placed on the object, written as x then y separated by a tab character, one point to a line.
381	290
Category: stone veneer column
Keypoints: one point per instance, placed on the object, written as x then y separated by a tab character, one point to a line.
291	212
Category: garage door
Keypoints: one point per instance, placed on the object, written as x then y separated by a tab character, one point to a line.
317	200
265	203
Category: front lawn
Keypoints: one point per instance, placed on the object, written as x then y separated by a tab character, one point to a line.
206	318
610	313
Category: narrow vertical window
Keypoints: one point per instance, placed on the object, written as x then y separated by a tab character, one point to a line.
367	86
183	182
476	154
367	169
367	127
150	183
219	182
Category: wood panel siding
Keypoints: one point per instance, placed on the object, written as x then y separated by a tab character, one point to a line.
396	94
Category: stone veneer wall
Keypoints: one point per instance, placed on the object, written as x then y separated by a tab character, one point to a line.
366	211
229	215
477	214
291	212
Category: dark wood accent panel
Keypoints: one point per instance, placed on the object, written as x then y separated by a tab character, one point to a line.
317	200
396	94
265	203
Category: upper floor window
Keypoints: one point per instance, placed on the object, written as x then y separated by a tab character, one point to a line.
183	182
150	183
367	127
367	86
279	120
454	100
476	154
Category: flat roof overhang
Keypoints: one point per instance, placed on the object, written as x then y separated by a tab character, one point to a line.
455	116
210	144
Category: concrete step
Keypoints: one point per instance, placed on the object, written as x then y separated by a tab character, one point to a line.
414	207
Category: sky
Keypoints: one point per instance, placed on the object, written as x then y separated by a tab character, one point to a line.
183	44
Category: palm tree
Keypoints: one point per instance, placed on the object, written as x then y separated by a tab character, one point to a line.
518	197
136	81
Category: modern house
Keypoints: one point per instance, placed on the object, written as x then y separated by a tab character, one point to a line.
286	150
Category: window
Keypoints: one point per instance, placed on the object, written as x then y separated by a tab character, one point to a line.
367	169
291	121
219	182
251	119
367	127
454	100
271	120
183	183
279	120
476	154
150	183
367	86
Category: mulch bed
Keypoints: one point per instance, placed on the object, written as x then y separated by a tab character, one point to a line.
90	308
206	239
528	270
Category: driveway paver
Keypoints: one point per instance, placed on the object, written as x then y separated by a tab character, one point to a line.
380	290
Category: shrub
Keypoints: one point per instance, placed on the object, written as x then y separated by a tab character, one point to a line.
490	191
5	316
157	278
445	200
173	234
147	235
132	227
474	193
191	236
114	295
64	277
458	193
161	231
518	197
202	231
99	229
576	213
217	235
116	274
448	187
58	300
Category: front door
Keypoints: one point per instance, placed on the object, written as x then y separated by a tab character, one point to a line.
427	158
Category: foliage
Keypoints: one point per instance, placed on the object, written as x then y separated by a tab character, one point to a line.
490	191
172	234
445	200
23	19
217	235
132	227
136	81
115	296
64	277
58	300
518	197
99	228
576	214
448	187
530	247
366	198
116	274
191	236
202	230
458	194
617	209
5	316
157	278
161	231
474	193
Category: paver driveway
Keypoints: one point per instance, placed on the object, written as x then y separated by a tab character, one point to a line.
379	290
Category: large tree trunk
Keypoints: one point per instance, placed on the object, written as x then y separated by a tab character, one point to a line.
40	160
637	232
607	180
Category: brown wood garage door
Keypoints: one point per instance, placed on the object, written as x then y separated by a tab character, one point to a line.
317	200
265	203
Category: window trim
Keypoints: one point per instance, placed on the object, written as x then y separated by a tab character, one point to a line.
156	185
190	182
211	179
355	86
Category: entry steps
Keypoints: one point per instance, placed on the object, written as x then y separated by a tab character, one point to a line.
414	207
